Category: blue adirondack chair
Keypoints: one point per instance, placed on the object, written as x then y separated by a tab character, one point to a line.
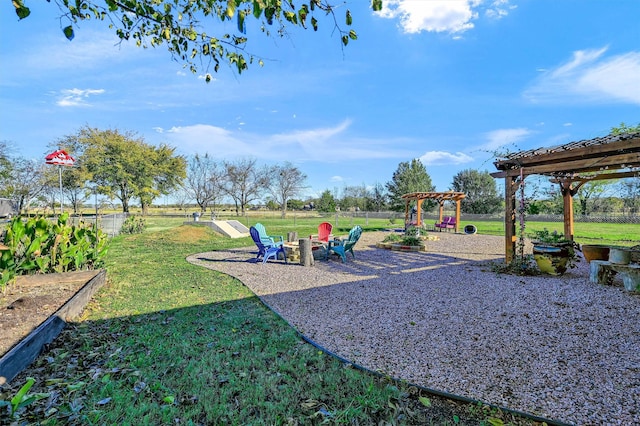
266	251
341	247
268	239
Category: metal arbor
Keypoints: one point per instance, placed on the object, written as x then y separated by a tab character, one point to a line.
440	197
570	165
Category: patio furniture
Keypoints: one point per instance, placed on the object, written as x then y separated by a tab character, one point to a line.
268	239
324	233
448	222
341	247
269	250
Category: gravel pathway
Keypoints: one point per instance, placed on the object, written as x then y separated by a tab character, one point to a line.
556	347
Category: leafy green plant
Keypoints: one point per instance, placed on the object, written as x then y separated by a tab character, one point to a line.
133	225
38	245
22	398
549	237
555	238
408	239
392	238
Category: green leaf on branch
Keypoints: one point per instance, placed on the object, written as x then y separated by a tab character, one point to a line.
231	9
257	9
349	18
68	32
21	10
241	25
376	5
345	40
353	35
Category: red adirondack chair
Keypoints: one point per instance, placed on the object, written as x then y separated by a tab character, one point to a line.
324	231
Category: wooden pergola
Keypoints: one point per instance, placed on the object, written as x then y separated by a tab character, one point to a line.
440	197
571	166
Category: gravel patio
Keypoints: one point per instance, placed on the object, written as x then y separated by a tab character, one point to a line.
561	348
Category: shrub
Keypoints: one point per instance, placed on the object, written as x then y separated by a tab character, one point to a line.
41	246
133	225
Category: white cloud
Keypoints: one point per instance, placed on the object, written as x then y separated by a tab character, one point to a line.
452	16
336	179
503	137
590	76
329	144
499	9
438	158
76	97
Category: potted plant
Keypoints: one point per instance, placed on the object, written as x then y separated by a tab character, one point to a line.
552	252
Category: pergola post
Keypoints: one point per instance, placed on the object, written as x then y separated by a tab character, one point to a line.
567	199
406	212
457	216
510	187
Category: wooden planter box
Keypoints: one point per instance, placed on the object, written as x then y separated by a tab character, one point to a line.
27	350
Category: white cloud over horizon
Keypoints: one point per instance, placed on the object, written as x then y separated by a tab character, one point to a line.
502	137
300	145
590	76
452	16
77	97
440	158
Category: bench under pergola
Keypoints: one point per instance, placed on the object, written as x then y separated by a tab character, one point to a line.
571	166
440	197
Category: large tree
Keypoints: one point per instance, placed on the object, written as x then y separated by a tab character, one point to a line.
204	180
284	182
243	182
123	166
409	177
480	189
623	128
5	161
326	203
195	32
630	189
377	198
23	182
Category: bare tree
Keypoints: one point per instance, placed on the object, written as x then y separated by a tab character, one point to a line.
243	183
284	182
204	180
25	182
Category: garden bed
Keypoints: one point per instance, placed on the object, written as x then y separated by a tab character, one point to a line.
35	309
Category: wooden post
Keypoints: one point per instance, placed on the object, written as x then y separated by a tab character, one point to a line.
306	256
419	212
292	236
406	212
567	197
457	216
510	187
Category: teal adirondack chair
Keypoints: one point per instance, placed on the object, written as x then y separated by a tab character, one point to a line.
268	240
267	251
341	247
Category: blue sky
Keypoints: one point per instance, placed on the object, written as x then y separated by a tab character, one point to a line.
447	81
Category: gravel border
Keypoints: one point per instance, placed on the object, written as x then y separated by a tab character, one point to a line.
561	348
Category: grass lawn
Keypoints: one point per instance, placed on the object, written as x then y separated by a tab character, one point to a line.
167	342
